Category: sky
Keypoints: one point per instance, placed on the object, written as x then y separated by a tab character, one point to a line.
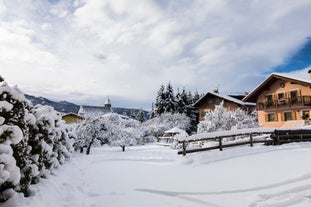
84	51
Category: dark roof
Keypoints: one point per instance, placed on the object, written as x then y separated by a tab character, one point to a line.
224	97
252	96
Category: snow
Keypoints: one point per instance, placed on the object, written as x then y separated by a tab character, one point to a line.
156	176
211	135
175	130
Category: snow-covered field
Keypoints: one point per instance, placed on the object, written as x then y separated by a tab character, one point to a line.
155	176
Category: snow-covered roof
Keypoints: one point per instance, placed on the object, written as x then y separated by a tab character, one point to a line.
72	114
226	97
270	79
175	130
93	111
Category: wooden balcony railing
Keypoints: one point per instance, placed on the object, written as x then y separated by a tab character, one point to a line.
285	103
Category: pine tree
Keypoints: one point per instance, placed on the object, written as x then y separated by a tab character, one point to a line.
140	116
152	113
181	102
196	96
170	102
160	102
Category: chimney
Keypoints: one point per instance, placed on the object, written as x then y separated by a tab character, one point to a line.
309	71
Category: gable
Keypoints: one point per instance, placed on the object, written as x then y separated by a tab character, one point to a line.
216	99
276	82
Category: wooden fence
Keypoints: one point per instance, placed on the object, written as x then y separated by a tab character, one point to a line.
290	135
279	136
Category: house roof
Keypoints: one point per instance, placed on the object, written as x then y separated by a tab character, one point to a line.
175	130
252	96
72	114
224	97
93	110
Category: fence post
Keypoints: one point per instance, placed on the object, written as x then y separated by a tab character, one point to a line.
251	139
220	143
184	148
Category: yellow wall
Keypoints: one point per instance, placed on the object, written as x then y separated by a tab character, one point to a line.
70	119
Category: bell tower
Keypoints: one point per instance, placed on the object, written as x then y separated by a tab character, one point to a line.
107	103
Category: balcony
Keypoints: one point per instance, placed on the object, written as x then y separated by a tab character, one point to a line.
285	103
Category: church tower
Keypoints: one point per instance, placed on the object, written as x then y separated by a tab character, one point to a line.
107	103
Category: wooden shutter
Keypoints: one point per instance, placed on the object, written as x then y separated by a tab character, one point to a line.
266	118
293	115
282	116
275	116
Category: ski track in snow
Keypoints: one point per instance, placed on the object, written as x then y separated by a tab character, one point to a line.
290	197
78	190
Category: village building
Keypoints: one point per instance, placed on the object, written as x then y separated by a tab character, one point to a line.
95	111
282	101
211	99
72	118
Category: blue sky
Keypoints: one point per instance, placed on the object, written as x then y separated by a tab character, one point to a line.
299	60
85	50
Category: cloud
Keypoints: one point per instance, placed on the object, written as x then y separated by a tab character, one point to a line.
85	50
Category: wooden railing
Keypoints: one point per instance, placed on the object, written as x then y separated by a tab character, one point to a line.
285	102
219	137
274	137
290	135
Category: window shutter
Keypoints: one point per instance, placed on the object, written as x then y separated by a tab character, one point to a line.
275	116
282	116
266	118
294	115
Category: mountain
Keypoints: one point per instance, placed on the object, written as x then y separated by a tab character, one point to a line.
61	106
68	107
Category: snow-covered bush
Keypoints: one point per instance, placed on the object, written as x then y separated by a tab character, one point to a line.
49	139
221	120
158	125
12	127
33	140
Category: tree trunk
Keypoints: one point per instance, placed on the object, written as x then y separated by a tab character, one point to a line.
88	149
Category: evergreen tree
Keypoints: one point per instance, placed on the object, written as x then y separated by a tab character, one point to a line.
170	102
140	116
181	102
152	113
160	102
196	96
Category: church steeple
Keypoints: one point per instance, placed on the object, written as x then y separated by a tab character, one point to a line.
107	103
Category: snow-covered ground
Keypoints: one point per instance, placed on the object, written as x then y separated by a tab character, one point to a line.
156	176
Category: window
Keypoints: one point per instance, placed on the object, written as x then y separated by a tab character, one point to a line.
287	116
280	95
290	115
210	101
271	117
305	115
269	99
294	96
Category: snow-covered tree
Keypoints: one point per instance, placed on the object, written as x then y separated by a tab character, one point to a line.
140	116
112	128
160	102
158	125
221	120
170	102
90	131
